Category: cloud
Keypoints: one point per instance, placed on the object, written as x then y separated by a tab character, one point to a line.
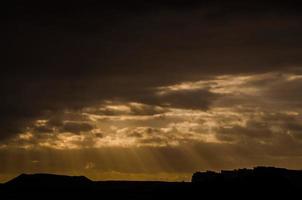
74	127
188	99
126	108
150	87
214	55
220	109
252	130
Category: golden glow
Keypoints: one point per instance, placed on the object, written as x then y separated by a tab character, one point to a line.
136	141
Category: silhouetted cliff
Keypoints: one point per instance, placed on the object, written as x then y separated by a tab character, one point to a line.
268	181
257	175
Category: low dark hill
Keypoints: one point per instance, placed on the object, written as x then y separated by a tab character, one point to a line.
48	180
257	183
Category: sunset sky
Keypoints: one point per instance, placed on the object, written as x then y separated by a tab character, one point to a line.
141	90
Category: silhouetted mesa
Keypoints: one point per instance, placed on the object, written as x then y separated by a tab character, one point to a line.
49	186
49	180
268	180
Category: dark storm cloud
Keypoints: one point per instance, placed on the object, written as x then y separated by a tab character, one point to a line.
76	127
269	130
43	129
188	99
72	122
61	56
288	92
252	130
147	110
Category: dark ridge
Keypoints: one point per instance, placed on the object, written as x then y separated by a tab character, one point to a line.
269	181
257	174
259	182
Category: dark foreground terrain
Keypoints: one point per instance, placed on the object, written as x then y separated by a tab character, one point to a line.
257	183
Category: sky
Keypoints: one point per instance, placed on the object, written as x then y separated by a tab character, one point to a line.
149	90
